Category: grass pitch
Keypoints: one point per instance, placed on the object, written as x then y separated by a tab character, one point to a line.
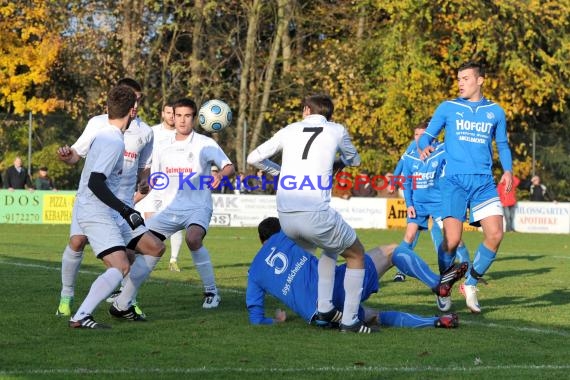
523	331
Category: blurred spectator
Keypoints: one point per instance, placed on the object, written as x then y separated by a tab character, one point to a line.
539	192
509	202
16	177
341	189
256	185
239	185
386	186
362	186
43	181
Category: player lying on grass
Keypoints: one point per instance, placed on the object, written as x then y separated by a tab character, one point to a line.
289	273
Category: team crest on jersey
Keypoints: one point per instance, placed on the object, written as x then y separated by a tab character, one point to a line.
490	115
190	156
139	141
434	164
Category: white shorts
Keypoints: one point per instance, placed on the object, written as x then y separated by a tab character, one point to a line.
74	229
168	221
106	230
324	229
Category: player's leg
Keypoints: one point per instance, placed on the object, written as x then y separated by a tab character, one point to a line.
444	260
462	254
195	233
353	287
326	271
150	249
487	211
382	258
401	319
176	241
408	262
117	267
108	245
70	263
302	227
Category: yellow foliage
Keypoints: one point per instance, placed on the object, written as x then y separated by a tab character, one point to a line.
30	47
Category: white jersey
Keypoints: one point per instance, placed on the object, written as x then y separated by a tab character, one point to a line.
138	141
309	149
105	157
148	203
187	164
160	133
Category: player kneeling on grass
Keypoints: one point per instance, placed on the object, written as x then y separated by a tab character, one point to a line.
289	273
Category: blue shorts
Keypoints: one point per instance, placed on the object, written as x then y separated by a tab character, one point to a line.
369	287
476	192
423	213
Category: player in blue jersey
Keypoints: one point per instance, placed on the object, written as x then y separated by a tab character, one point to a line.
471	123
399	276
288	272
423	200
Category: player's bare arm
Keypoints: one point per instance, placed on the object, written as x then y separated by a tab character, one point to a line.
507	179
227	172
68	155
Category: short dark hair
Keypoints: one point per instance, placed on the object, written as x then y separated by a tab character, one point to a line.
185	102
423	124
475	66
268	227
120	101
320	104
130	82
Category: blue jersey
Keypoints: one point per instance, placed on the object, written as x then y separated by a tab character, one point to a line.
470	128
284	270
423	187
400	165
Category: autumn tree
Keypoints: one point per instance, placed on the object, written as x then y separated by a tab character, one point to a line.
30	45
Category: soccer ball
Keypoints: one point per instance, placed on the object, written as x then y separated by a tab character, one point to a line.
214	115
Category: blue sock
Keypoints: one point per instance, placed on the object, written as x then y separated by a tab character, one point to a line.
405	244
413	245
444	259
484	257
463	255
409	263
436	236
399	319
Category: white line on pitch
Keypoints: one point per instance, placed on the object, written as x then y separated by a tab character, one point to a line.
372	370
151	280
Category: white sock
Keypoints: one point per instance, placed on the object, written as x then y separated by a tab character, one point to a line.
140	271
100	289
176	241
326	270
353	283
70	263
201	258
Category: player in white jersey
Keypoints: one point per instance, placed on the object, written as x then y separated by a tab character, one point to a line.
101	216
138	140
164	131
181	173
309	150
